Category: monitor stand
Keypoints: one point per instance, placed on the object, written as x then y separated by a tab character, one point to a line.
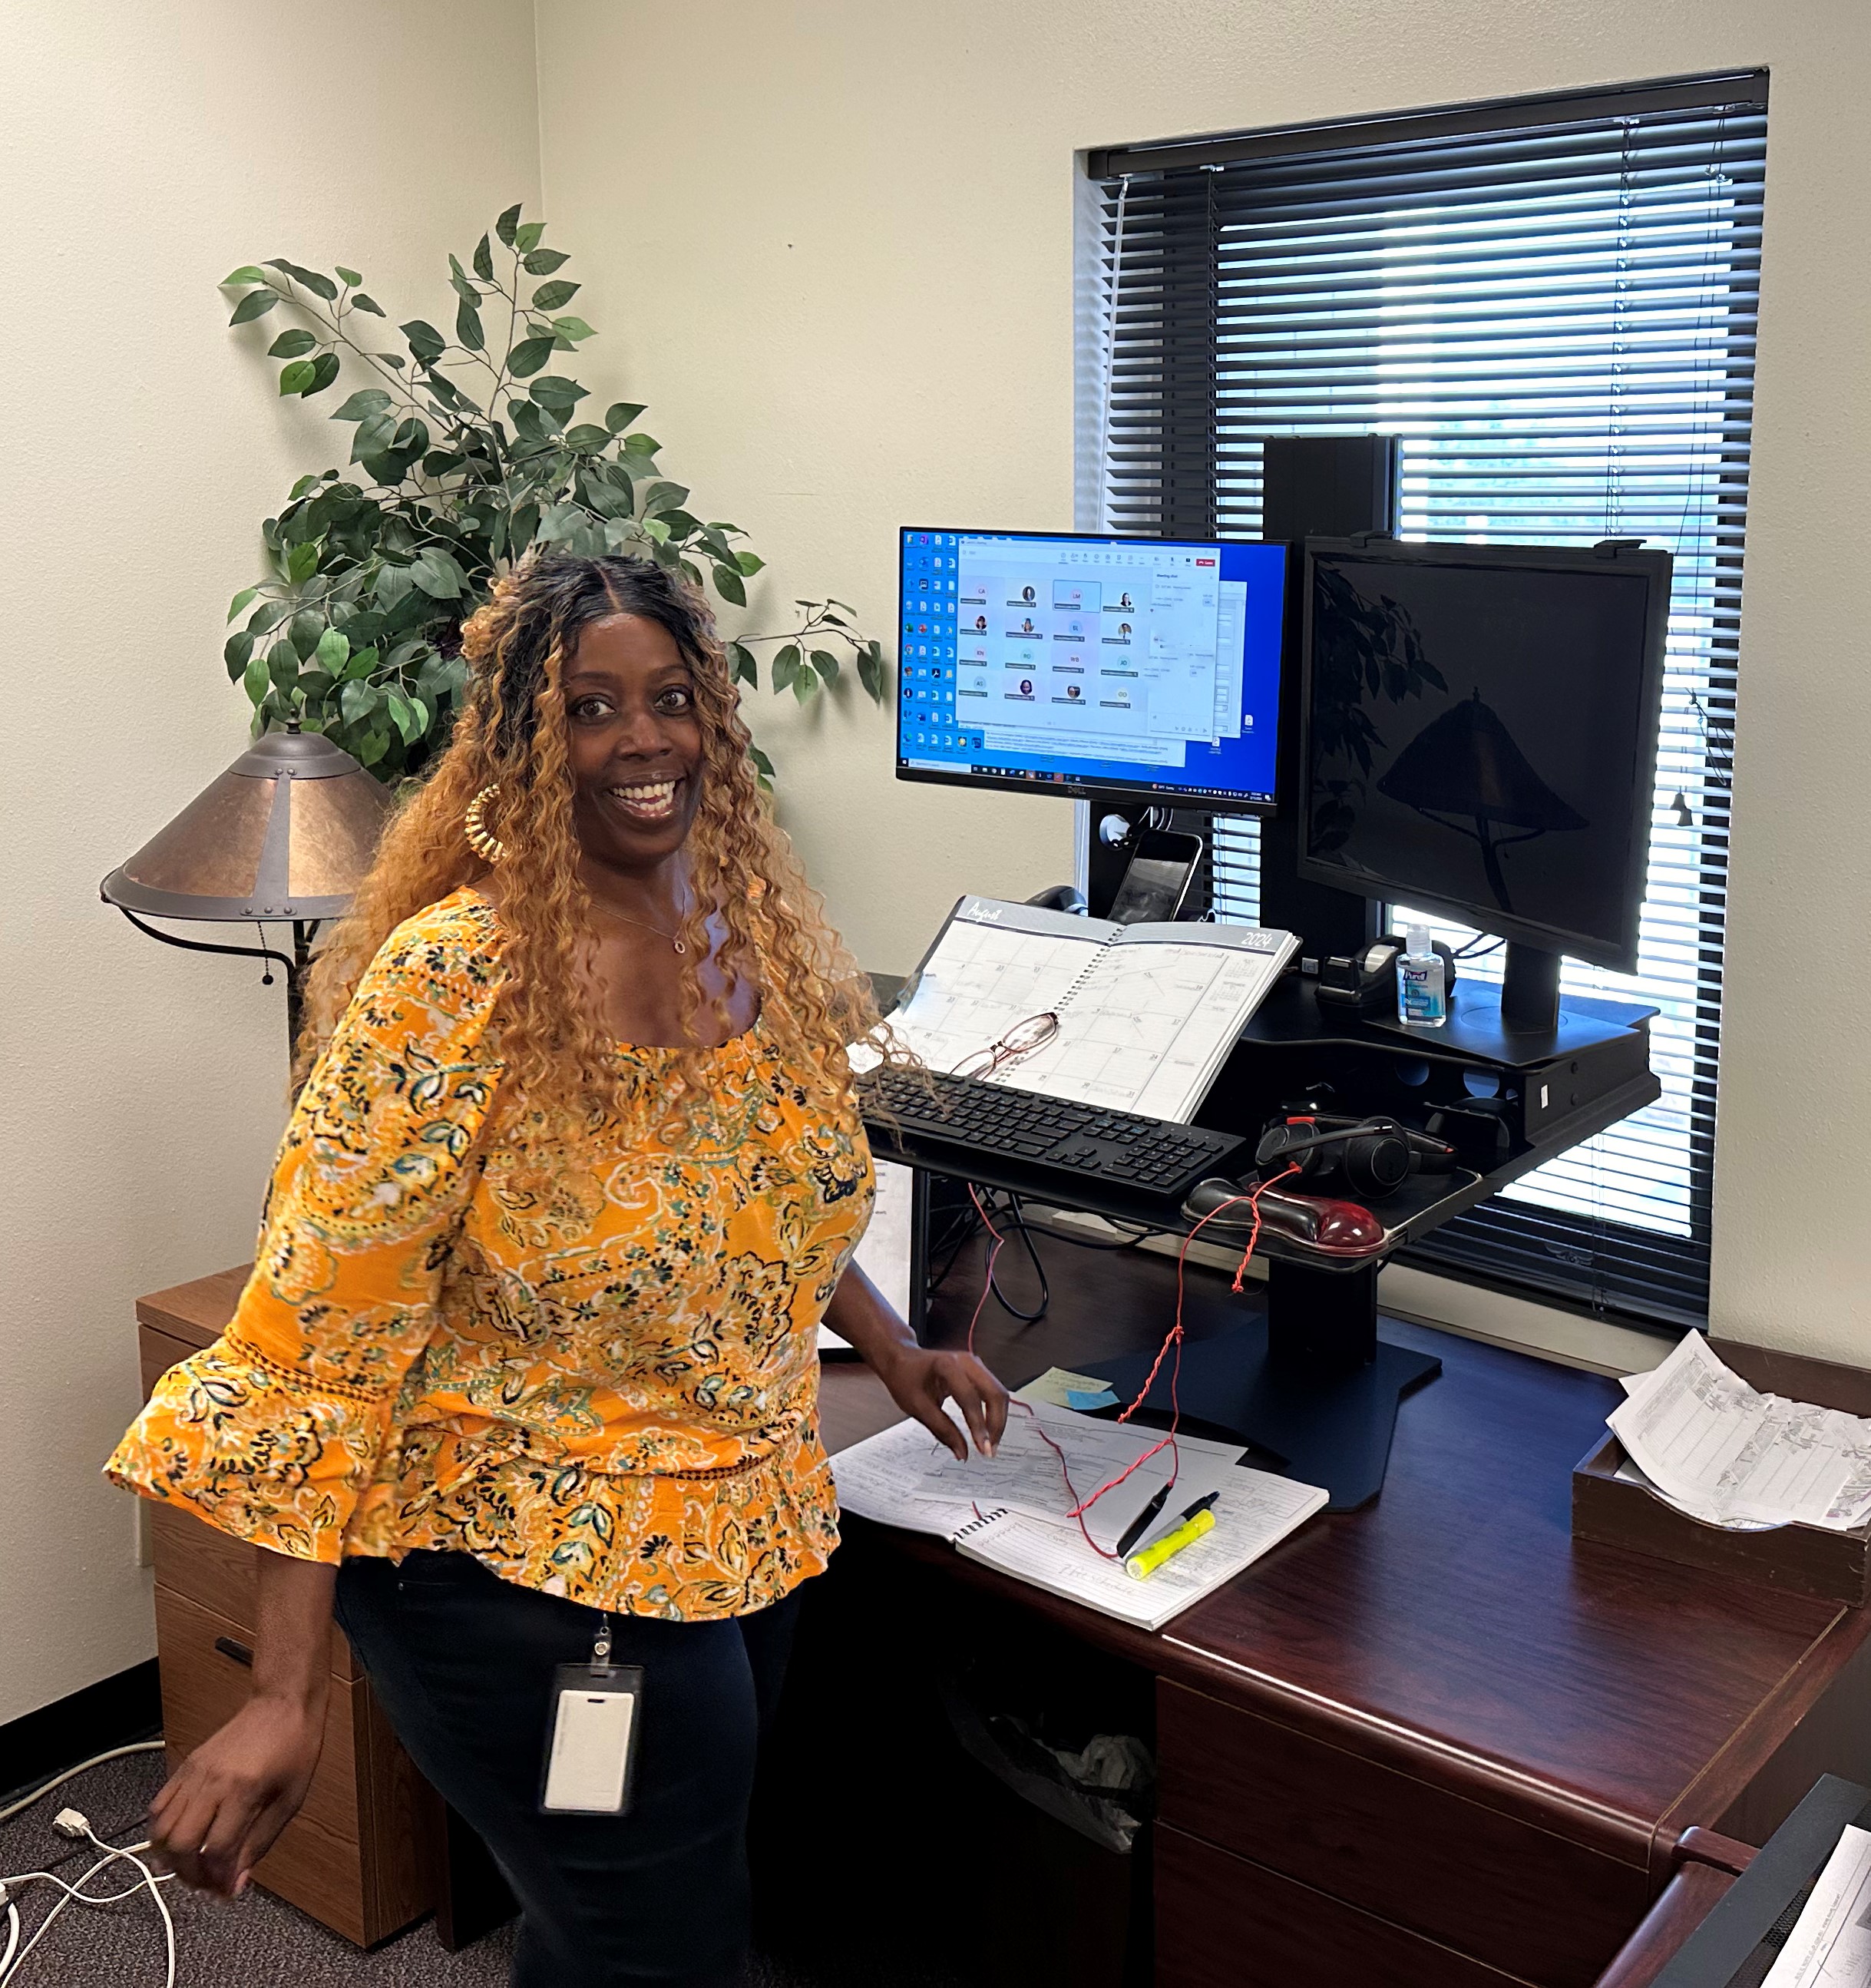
1312	1382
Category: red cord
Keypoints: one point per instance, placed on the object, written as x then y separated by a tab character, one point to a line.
1172	1340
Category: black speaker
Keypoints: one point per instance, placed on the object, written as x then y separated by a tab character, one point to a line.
1315	486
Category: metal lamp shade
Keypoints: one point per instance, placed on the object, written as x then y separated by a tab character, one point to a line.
287	832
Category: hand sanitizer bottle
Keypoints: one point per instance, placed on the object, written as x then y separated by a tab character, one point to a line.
1421	999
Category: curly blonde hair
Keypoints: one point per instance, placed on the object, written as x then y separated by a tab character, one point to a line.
562	1067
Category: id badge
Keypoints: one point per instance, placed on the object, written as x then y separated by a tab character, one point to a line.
591	1743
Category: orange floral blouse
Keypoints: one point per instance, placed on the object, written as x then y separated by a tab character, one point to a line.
609	1393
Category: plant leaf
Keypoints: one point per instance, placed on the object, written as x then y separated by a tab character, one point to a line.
527	357
319	286
750	563
366	401
763	767
483	259
741	660
290	344
245	598
826	665
527	239
349	278
373	436
573	328
543	262
620	414
356	700
507	222
256	303
870	670
302	632
295	377
302	562
236	651
362	302
424	340
550	296
246	273
587	436
256	678
785	667
437	574
333	647
324	370
467	327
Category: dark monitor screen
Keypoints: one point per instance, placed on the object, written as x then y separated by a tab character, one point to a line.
1481	734
1062	662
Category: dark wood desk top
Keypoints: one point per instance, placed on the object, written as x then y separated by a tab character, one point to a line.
1453	1628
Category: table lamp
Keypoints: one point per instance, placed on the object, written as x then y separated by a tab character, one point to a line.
285	834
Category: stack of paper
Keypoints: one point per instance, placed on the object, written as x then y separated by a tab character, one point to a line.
1830	1944
1728	1455
1013	1510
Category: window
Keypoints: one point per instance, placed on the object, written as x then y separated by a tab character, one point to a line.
1552	302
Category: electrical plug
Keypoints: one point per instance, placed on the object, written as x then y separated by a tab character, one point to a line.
69	1822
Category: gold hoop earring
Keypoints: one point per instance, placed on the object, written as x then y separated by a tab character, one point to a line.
485	844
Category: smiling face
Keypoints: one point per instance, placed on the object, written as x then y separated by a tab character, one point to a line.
636	743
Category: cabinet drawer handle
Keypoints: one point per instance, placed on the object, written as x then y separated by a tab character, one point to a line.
238	1651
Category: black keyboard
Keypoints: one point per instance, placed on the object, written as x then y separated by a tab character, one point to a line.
1077	1142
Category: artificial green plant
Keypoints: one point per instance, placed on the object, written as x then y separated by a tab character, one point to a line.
464	451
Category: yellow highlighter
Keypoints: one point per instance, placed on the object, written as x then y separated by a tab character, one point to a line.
1141	1566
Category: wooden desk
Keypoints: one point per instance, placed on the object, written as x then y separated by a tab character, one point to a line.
1430	1741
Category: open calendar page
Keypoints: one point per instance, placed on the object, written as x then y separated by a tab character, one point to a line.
1147	1014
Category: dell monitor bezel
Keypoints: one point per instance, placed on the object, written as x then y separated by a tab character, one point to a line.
1618	954
1207	801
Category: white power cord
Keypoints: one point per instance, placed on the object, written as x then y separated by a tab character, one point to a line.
70	1823
59	1780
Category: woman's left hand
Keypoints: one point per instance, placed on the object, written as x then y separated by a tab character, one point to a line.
920	1381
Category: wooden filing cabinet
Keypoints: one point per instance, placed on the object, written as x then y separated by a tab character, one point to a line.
362	1855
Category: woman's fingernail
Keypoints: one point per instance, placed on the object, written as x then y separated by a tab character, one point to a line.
241	1882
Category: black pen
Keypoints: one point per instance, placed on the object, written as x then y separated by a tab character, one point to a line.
1141	1524
1201	1505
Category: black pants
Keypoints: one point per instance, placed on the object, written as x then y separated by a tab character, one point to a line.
462	1662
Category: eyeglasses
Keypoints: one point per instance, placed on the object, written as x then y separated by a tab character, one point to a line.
1021	1039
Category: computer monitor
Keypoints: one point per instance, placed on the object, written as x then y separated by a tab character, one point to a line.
1480	734
1114	667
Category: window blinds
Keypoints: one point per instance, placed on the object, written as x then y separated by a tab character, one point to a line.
1552	302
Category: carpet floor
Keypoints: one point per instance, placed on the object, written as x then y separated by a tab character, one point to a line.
259	1941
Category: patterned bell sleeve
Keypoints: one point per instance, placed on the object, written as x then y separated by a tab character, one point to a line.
273	1433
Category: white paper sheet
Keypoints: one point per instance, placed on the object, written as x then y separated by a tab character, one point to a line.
1254	1512
1025	1474
877	1479
1830	1944
1722	1450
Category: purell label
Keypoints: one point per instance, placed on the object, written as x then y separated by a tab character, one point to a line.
1422	1000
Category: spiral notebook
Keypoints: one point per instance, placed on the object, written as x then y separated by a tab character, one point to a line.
887	1479
1147	1013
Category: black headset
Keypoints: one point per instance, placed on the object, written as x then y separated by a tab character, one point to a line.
1371	1156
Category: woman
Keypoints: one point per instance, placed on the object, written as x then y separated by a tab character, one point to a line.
529	1348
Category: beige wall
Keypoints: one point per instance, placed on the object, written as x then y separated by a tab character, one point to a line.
146	151
834	248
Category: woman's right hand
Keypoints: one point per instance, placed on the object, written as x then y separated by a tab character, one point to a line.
219	1813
